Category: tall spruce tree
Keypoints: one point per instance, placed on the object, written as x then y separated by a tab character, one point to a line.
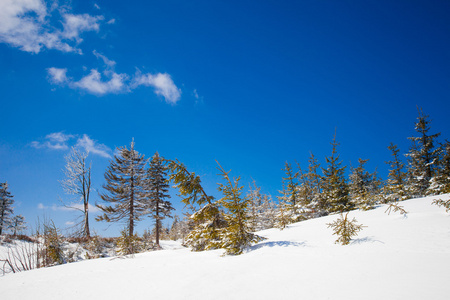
334	186
6	207
236	236
290	193
422	157
158	188
125	189
364	187
395	189
317	204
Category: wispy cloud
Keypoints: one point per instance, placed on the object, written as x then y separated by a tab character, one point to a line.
53	141
62	141
25	24
162	83
110	82
70	207
93	147
57	76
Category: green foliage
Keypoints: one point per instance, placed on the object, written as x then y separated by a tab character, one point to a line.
444	203
395	189
158	189
334	185
125	189
422	157
236	236
209	223
127	244
364	187
345	229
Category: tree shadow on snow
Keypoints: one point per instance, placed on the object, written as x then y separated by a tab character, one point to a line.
277	244
367	239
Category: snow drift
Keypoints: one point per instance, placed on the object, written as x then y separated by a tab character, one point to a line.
394	257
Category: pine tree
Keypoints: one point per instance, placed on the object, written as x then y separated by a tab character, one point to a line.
283	215
395	189
334	186
6	207
125	189
236	236
422	157
364	187
317	204
345	229
78	182
261	211
158	189
206	220
440	183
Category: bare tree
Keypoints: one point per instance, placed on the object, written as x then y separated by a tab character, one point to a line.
78	182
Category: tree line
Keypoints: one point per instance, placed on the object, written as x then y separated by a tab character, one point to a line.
137	187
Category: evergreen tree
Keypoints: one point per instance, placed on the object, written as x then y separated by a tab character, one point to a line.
440	183
334	186
395	189
158	189
6	207
422	157
317	203
18	225
345	229
207	220
364	187
261	211
125	189
283	215
236	236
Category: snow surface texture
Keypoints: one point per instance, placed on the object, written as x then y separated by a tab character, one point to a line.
394	257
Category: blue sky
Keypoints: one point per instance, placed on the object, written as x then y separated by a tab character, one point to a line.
251	84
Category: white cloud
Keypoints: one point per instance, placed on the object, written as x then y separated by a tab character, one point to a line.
112	21
94	84
96	6
79	206
108	62
57	76
53	141
110	82
162	83
74	25
25	24
93	147
60	141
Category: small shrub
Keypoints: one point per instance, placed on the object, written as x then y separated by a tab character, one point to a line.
440	202
129	244
395	207
345	229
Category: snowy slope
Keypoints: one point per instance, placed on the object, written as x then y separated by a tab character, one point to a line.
395	257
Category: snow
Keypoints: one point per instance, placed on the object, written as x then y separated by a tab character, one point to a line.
394	257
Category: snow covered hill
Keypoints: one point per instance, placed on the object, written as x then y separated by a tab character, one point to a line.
394	257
